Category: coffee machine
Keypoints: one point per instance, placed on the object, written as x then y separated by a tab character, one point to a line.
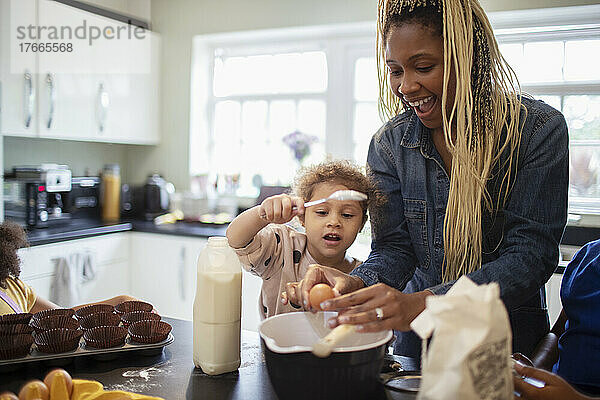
37	196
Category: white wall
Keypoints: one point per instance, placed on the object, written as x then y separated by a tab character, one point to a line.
179	20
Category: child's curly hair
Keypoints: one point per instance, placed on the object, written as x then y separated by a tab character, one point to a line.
341	172
12	238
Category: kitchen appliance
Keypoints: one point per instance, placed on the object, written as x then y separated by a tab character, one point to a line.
156	196
84	199
350	372
36	196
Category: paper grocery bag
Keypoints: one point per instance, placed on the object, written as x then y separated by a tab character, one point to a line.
468	356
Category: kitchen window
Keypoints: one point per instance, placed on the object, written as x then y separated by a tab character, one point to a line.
252	88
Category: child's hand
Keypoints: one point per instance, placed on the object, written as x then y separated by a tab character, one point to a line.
555	388
281	208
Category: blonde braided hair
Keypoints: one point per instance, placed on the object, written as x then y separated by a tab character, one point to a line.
485	114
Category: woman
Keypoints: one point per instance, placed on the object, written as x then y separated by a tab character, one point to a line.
476	178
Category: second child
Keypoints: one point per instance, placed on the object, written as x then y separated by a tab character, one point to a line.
280	254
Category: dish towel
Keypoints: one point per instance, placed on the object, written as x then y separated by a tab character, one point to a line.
64	289
70	272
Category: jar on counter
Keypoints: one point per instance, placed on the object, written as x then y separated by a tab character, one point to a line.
111	193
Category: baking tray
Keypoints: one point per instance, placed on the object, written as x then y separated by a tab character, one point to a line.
83	350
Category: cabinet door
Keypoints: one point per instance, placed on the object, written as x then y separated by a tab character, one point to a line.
18	65
110	254
65	84
164	271
125	84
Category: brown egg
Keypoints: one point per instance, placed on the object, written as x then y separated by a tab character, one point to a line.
318	294
34	390
8	396
59	383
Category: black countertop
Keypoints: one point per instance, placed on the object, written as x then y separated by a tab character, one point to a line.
82	228
171	375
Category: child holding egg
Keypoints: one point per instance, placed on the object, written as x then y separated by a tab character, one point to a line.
280	254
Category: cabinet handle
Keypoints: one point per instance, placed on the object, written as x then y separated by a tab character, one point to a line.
51	98
102	103
28	98
182	291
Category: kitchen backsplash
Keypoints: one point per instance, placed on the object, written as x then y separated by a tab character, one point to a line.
81	157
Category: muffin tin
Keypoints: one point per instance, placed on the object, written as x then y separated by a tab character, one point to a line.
103	342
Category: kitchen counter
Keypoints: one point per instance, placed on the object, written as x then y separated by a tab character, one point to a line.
171	375
82	228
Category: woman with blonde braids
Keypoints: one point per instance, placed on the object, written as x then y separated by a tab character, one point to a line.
475	173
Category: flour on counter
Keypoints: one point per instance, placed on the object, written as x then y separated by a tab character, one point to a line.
140	380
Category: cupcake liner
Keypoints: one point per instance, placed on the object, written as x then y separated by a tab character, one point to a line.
53	322
104	337
58	340
133	305
11	319
149	331
14	329
53	312
93	309
15	346
99	319
136	316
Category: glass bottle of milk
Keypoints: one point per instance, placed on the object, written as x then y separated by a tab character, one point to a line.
217	309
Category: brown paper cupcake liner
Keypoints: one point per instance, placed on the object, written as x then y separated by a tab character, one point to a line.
11	319
53	322
136	316
104	337
15	346
100	319
93	309
149	331
14	329
58	340
53	312
133	305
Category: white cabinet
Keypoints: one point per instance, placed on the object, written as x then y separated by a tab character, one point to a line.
111	261
103	87
18	69
163	271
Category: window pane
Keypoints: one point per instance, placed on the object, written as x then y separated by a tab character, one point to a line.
366	87
543	62
583	117
582	60
513	53
366	123
553	101
262	74
282	119
254	119
226	144
311	118
584	171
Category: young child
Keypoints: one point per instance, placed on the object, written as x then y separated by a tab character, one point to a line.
278	253
15	295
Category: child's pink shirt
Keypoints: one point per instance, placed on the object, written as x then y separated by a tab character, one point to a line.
278	254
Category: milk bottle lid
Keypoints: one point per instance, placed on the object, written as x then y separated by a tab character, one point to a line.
218	241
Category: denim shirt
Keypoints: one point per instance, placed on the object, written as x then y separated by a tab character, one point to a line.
520	241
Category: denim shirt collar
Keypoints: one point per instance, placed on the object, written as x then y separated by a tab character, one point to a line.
417	135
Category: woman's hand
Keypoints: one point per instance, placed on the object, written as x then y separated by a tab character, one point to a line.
376	308
556	388
280	209
297	292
